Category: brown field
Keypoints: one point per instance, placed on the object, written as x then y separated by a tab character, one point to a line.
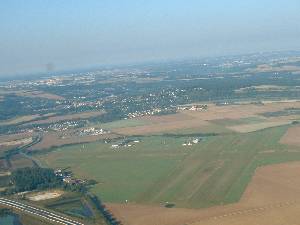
21	119
55	139
241	111
272	198
161	127
267	68
75	116
8	142
4	148
34	94
40	94
292	136
202	120
20	161
17	142
14	137
167	118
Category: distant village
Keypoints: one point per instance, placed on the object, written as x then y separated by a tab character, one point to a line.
193	107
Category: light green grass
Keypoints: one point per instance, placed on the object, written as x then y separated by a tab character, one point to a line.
159	169
122	174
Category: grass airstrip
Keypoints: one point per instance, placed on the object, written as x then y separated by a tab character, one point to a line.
160	169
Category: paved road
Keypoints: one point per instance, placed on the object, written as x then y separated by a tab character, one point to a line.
38	212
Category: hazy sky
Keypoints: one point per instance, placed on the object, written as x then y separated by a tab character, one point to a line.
83	33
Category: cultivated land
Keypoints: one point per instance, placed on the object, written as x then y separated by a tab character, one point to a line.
21	119
270	198
215	171
52	139
33	94
242	118
188	135
292	137
75	116
203	181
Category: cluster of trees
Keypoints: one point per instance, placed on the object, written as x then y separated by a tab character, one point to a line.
36	178
27	179
111	220
75	188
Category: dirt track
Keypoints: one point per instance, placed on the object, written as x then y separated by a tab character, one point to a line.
272	198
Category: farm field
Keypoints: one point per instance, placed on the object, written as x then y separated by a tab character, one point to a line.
127	167
53	119
33	94
193	141
205	179
123	123
240	118
159	169
55	139
270	198
21	119
292	136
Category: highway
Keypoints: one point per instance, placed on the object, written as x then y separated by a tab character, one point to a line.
44	214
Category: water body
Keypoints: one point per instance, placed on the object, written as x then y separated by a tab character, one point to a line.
10	220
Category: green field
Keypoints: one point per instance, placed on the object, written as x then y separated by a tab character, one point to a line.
159	169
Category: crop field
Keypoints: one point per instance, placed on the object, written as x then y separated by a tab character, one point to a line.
123	123
270	198
21	119
20	161
33	94
292	136
159	169
53	119
241	118
245	128
126	166
154	160
55	139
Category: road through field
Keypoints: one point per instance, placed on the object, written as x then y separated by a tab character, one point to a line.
43	214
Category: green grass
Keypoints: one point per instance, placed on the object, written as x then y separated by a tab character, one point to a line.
159	169
122	174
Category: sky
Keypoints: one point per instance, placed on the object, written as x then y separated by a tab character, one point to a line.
41	35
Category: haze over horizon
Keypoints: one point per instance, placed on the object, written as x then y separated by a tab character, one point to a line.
40	35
